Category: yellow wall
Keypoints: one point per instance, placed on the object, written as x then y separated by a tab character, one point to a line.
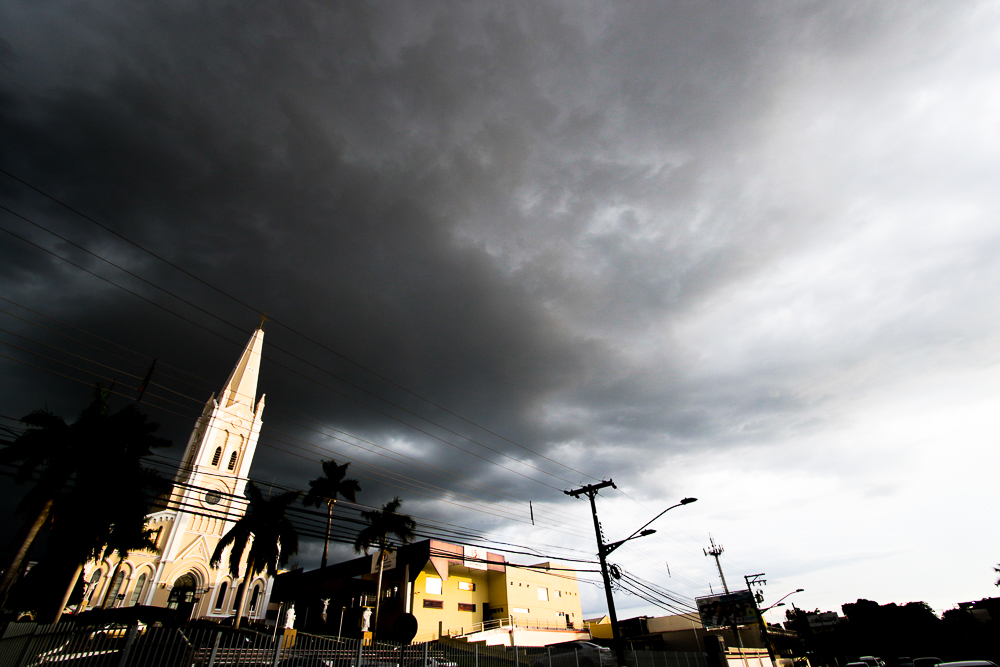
502	593
429	620
521	591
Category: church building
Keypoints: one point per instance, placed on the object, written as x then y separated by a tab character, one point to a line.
207	496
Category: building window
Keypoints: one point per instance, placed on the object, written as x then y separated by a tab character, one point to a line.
221	600
254	597
433	604
462	606
116	584
543	593
232	461
519	610
433	585
466	586
239	596
558	593
137	591
94	580
217	456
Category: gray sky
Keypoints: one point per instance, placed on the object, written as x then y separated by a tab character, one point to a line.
746	252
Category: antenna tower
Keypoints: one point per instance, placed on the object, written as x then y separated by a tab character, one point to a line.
715	550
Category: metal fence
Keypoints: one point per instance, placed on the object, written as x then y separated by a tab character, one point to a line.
68	645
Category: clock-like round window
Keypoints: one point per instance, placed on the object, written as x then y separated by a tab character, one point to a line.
213	498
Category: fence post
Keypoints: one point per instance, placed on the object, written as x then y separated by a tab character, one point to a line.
517	654
361	646
277	650
576	656
548	652
475	652
215	649
133	629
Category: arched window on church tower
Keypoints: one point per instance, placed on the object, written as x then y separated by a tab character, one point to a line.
217	456
232	461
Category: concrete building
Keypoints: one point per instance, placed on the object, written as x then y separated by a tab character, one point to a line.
450	590
207	494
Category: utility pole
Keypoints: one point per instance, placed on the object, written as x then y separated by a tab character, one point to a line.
716	550
758	579
591	492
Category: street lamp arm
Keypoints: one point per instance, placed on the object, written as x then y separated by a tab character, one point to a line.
685	501
779	602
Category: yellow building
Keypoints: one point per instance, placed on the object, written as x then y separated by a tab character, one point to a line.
451	590
207	494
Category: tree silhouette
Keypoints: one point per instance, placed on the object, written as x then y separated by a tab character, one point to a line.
267	531
89	517
382	523
324	491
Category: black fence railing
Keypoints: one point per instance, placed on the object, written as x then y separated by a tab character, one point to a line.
136	645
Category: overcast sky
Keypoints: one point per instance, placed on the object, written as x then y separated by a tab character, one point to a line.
742	251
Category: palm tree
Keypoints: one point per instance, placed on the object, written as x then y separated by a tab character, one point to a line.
45	448
266	529
90	517
382	523
324	491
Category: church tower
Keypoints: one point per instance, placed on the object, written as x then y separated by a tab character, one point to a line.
207	497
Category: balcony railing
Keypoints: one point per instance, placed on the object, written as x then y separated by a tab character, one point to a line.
508	622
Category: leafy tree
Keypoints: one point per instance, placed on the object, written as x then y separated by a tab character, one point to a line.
88	517
267	531
324	491
382	523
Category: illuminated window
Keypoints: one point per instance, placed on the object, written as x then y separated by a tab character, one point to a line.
466	586
519	610
433	604
433	585
543	593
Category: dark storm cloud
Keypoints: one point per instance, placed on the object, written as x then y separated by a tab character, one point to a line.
536	215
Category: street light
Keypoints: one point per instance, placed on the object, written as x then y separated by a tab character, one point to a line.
779	603
763	624
608	548
604	549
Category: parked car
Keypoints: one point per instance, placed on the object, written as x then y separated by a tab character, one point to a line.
927	662
872	661
968	663
569	654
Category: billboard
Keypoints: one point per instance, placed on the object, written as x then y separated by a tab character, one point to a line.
474	558
723	611
388	563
